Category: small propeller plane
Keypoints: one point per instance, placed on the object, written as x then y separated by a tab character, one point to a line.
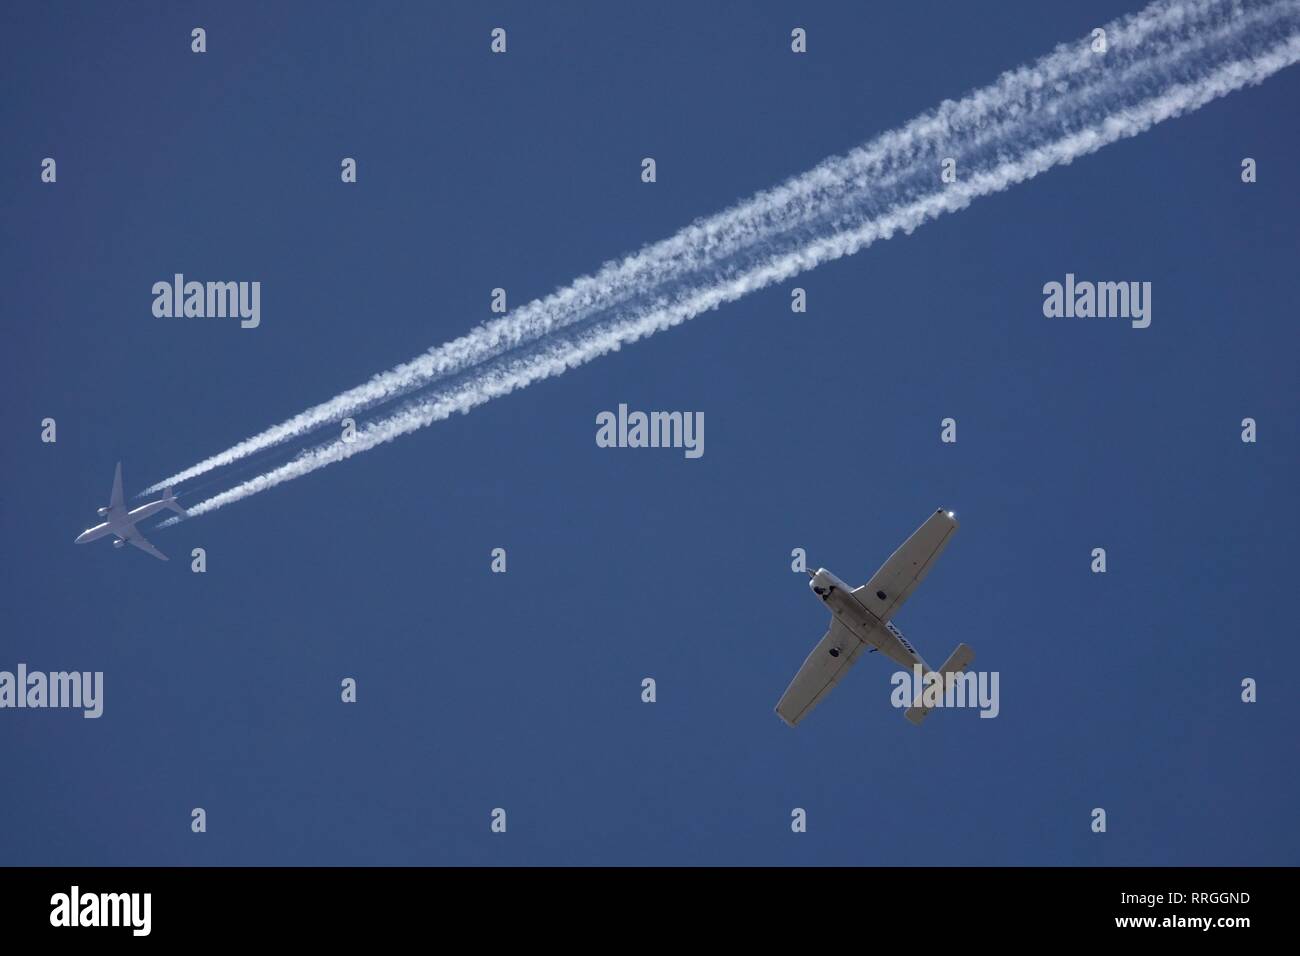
860	619
122	523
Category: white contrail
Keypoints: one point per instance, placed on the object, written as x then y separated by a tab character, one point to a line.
879	174
569	350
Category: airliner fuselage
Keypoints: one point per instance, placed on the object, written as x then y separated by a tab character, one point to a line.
119	520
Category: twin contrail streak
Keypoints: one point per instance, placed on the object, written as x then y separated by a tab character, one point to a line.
1163	62
1070	74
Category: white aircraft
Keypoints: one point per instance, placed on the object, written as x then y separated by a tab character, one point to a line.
122	523
860	618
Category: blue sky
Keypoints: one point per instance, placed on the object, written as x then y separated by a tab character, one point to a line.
522	690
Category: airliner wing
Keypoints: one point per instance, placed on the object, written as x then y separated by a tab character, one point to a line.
116	500
136	538
829	661
907	567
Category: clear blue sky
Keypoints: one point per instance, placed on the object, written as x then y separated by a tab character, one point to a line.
522	690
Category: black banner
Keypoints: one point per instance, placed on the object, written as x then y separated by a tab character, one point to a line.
333	905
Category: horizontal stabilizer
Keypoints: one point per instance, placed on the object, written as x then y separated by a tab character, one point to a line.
957	662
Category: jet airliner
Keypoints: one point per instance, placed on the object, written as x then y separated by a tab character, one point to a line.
122	523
